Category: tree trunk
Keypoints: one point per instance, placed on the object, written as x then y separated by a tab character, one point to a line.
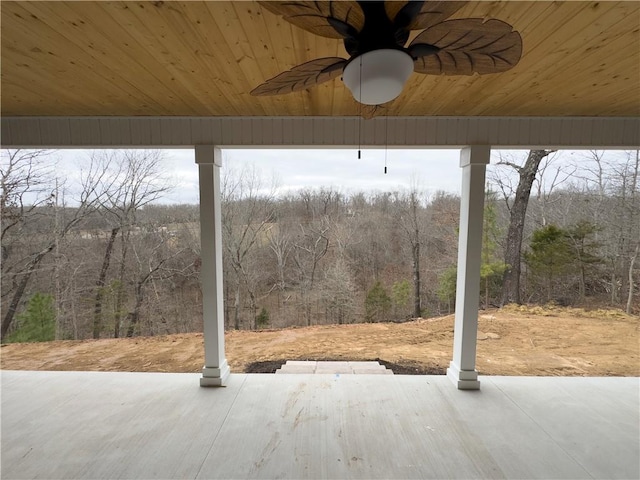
22	285
253	308
486	292
582	286
415	249
135	315
513	249
417	306
631	264
97	310
120	294
236	309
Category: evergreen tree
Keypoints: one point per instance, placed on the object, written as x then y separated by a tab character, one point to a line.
377	304
262	319
447	287
400	295
38	322
491	269
550	255
584	250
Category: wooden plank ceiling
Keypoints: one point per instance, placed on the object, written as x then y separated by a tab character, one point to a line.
202	58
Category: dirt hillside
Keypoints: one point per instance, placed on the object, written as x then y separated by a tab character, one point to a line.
512	341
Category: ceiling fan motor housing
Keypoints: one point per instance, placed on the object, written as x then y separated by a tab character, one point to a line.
378	76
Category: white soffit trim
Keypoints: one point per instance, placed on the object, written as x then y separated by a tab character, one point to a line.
320	132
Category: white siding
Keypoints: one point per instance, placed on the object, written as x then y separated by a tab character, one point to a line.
514	132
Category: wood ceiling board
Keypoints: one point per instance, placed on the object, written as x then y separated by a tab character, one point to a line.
92	36
170	41
202	59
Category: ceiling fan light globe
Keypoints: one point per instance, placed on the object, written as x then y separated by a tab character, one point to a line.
384	73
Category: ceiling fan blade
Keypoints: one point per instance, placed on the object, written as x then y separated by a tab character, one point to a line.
466	46
302	76
414	15
327	19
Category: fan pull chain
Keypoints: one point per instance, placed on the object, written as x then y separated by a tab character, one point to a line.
386	141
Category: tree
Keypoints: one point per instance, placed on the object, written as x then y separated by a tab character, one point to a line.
447	287
401	296
311	244
632	213
611	194
281	245
583	251
629	306
377	303
339	293
153	256
247	212
517	210
38	322
550	255
27	188
132	180
262	320
410	224
491	269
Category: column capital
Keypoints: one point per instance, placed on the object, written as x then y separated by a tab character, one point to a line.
475	155
208	155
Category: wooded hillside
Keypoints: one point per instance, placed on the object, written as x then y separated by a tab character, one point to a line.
111	262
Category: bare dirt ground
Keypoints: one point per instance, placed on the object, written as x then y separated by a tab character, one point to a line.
512	341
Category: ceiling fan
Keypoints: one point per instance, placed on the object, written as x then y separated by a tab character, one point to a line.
375	34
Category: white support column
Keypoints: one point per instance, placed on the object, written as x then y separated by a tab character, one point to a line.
462	369
216	370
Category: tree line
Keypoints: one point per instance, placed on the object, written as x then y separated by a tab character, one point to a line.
104	259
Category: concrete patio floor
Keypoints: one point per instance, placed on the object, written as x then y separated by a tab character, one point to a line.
154	425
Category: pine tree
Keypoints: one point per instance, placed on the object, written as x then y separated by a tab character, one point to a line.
550	255
377	304
262	319
584	248
38	322
400	295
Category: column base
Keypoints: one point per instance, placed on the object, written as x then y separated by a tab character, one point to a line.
215	376
463	379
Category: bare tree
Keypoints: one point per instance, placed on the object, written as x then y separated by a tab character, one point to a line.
311	245
517	210
632	262
410	223
24	193
281	244
629	198
154	256
247	211
551	176
132	180
611	190
339	293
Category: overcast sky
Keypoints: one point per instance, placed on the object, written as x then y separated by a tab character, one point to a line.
340	169
431	170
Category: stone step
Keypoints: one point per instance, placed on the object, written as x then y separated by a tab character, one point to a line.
332	368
